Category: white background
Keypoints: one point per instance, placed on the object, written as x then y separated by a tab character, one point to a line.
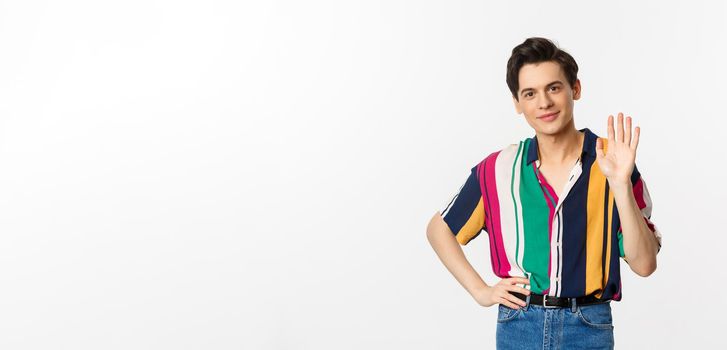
239	175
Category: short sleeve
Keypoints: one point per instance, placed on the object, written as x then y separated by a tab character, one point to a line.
464	212
643	200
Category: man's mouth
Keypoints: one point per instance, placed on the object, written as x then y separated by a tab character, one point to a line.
549	116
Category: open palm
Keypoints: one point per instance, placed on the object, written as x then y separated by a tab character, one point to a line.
617	162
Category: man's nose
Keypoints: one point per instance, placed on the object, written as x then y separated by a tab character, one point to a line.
544	101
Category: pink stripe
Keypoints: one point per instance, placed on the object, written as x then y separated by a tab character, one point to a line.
639	194
487	210
617	296
496	245
641	202
651	226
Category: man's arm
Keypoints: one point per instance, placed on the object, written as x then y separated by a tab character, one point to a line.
616	158
639	242
450	252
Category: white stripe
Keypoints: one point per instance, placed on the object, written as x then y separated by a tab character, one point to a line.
560	249
575	173
451	201
503	176
519	207
556	255
553	256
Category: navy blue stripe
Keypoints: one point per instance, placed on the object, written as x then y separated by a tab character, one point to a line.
605	234
614	268
464	204
574	209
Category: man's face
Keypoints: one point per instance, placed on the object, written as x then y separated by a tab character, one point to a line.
544	90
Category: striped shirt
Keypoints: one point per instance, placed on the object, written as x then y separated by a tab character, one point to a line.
568	246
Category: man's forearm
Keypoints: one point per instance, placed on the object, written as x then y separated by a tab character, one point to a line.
450	253
639	242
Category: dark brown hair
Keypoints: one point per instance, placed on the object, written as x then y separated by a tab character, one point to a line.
536	50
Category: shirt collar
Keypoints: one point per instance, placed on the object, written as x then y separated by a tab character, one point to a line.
589	145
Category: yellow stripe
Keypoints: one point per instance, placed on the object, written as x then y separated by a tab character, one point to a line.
594	227
473	226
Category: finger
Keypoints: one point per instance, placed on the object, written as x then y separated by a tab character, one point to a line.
627	136
635	142
620	128
509	304
520	290
599	148
514	299
514	280
610	128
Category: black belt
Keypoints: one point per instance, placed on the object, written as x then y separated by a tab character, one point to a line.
551	301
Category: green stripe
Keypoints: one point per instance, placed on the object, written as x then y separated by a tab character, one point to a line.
535	226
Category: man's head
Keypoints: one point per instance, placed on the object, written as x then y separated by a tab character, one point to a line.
543	79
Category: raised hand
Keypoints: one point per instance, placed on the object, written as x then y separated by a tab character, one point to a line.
618	161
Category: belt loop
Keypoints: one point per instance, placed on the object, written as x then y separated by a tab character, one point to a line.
573	305
527	302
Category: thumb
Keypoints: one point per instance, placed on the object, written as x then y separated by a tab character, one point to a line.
599	148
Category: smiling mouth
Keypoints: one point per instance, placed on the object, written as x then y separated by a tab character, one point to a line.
548	115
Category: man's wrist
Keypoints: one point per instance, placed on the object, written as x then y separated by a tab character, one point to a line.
619	184
483	289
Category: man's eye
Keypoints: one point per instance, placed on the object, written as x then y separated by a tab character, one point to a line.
555	88
528	94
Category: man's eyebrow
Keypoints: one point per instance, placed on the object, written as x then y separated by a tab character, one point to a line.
549	84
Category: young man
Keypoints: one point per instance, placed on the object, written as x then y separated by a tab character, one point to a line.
560	209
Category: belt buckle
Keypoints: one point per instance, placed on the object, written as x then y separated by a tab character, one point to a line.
545	301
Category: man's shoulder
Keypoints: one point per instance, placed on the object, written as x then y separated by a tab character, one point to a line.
512	148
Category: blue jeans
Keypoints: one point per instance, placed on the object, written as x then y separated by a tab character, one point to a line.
536	327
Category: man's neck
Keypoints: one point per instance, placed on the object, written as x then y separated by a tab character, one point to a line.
564	147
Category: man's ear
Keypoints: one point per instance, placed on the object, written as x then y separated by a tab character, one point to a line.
577	89
517	105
